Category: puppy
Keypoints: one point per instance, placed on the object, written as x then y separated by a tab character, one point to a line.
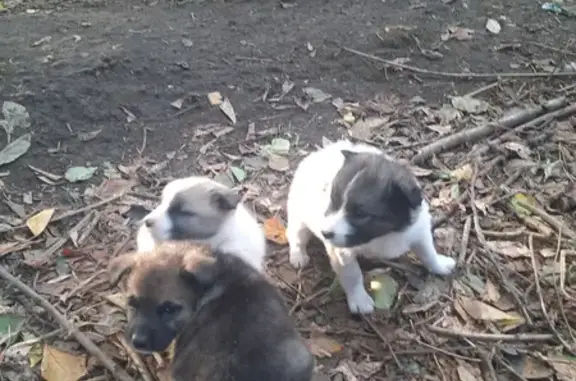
202	210
357	200
228	322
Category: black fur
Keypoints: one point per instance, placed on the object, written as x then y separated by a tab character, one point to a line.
379	196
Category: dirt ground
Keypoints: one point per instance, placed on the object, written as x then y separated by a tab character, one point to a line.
123	87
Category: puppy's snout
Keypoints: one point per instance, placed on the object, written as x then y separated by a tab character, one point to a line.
328	234
140	340
149	222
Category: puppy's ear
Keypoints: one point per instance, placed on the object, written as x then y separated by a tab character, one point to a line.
226	199
408	190
121	266
348	154
199	269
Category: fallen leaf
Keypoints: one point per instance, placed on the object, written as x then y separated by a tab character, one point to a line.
493	26
14	150
384	290
87	136
466	373
519	199
278	146
187	43
482	311
238	173
520	149
35	354
215	98
9	323
362	129
316	95
275	231
38	222
77	174
278	163
510	249
228	110
470	105
491	293
15	115
463	173
564	366
536	369
177	104
459	33
61	366
356	371
322	346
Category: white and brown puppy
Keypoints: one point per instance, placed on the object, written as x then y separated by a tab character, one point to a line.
202	210
357	200
227	322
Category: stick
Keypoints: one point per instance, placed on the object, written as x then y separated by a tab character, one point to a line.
474	134
459	75
556	224
117	372
136	358
526	337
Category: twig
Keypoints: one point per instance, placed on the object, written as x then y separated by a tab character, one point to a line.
482	89
116	370
384	340
558	225
465	238
462	74
474	134
142	368
475	219
510	369
525	337
73	213
541	297
488	372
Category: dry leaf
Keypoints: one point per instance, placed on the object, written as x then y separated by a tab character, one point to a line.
470	105
482	311
521	150
461	34
275	231
38	222
353	371
493	26
215	98
228	110
564	366
323	346
362	129
278	163
61	366
491	293
536	369
463	173
465	373
510	249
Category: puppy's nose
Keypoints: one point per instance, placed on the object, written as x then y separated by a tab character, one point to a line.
139	340
149	222
328	234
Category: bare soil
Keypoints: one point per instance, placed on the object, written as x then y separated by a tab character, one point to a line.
98	79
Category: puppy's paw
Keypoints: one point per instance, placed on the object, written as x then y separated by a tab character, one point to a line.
299	259
443	265
360	302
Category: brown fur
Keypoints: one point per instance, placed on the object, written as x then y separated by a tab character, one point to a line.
230	324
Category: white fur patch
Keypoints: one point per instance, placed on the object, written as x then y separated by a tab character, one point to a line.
308	200
240	234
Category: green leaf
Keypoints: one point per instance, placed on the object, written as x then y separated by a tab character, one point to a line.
519	199
15	149
9	323
77	174
238	173
35	354
384	291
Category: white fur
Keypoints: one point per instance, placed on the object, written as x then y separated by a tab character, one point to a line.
308	201
240	234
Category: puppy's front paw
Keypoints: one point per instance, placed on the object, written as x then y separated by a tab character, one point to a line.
443	265
360	302
298	258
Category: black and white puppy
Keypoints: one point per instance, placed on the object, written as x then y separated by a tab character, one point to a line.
357	200
202	210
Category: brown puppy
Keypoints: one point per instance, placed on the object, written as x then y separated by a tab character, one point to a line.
229	322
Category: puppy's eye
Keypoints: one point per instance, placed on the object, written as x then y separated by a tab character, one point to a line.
168	309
